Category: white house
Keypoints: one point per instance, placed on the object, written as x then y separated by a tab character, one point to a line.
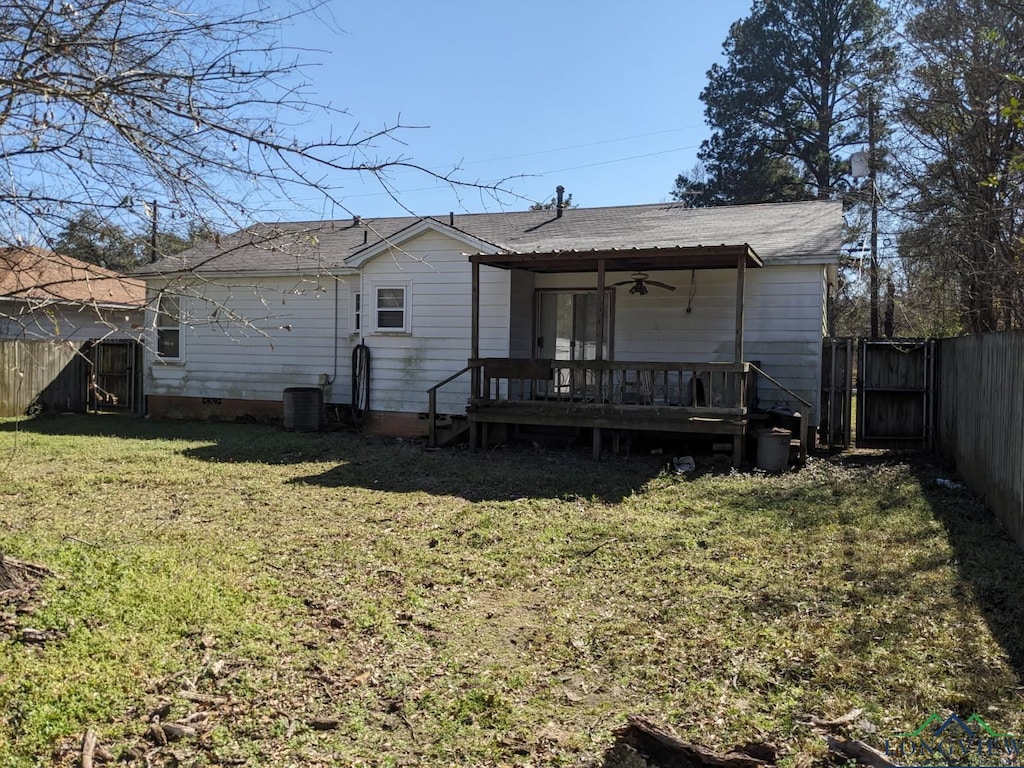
284	305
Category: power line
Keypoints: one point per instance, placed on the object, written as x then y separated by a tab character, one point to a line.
540	173
601	142
584	146
621	160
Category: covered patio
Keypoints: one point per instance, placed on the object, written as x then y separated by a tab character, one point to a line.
607	395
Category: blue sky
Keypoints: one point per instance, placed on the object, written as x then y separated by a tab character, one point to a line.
601	97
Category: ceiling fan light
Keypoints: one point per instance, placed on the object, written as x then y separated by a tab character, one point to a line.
639	288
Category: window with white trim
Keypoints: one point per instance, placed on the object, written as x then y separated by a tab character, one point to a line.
168	327
391	311
357	312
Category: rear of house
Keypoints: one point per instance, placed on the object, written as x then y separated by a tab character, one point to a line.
281	306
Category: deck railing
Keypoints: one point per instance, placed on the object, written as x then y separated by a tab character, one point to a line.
432	403
724	388
619	390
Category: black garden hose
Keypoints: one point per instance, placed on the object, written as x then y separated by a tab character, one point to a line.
360	382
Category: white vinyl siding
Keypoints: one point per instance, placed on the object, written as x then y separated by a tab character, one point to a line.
251	339
404	367
282	332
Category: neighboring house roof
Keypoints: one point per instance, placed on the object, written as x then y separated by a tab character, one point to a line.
35	274
778	232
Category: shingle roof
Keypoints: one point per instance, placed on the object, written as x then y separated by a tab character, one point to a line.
778	232
36	274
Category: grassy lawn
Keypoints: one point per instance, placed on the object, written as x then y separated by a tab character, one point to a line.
508	608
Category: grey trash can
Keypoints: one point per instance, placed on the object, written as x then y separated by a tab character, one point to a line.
773	449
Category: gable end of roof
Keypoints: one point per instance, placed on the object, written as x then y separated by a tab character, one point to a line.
396	240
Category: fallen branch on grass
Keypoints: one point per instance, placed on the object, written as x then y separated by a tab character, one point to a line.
13	573
857	750
664	748
203	698
88	748
604	543
836	722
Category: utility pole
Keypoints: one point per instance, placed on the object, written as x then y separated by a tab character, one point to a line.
872	185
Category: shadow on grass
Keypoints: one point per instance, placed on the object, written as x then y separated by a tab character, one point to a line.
381	464
989	561
888	580
500	476
88	425
989	564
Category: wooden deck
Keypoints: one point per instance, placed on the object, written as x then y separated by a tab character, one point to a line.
680	397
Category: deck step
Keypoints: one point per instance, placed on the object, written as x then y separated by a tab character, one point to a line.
450	430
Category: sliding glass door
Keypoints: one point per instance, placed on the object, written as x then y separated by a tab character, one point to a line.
566	325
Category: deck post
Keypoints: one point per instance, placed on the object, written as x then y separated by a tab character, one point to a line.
741	275
599	351
601	320
474	350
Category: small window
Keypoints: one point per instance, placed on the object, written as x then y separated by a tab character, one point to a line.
357	320
391	309
168	327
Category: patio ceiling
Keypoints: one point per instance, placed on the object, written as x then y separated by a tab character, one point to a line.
625	259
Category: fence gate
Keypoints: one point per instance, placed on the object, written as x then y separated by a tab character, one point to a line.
837	360
896	393
116	381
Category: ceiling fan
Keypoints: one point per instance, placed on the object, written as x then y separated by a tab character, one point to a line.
640	281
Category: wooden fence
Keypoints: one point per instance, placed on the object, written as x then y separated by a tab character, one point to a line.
981	419
43	376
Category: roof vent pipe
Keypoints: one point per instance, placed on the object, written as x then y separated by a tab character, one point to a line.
357	220
559	193
451	218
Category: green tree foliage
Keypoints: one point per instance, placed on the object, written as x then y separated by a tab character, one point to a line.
552	204
89	238
960	159
788	102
